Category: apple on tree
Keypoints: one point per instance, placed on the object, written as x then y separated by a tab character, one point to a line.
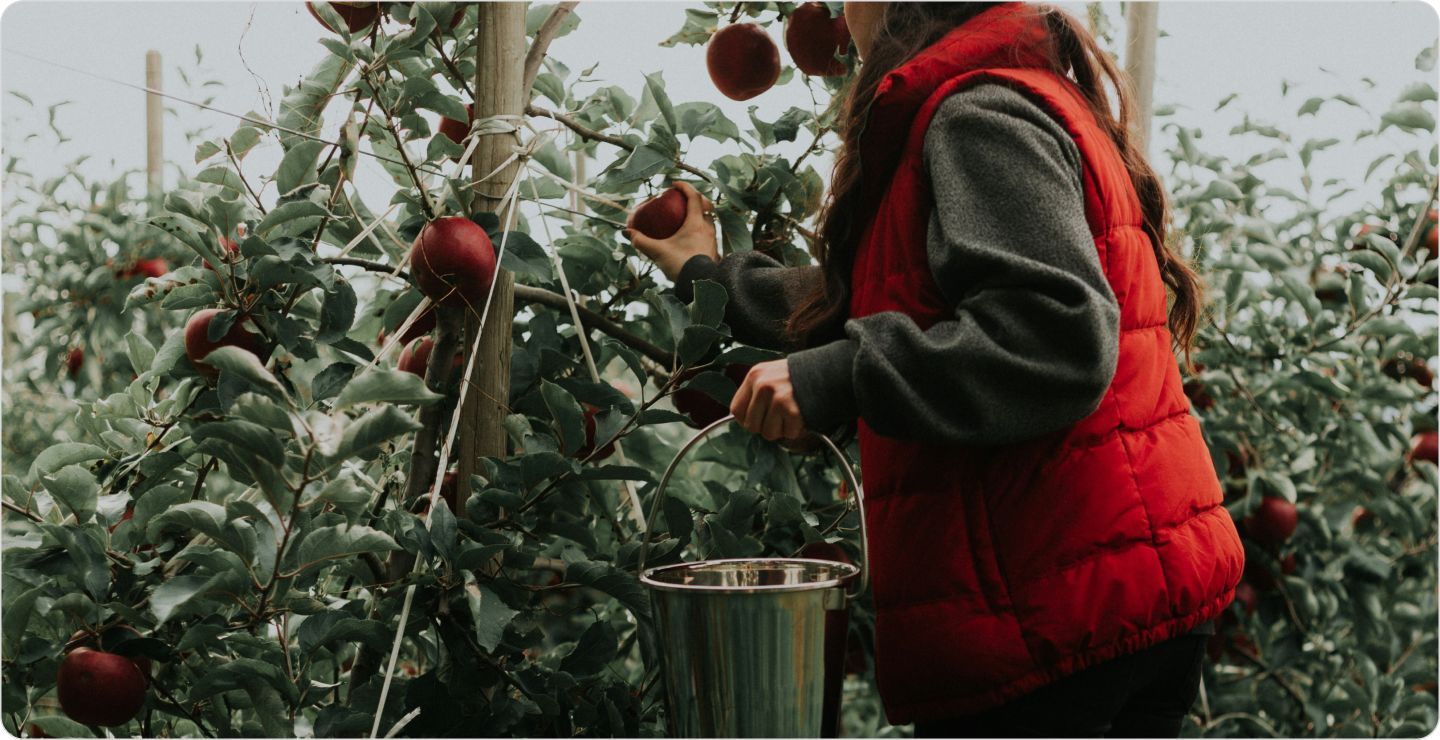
702	409
456	130
1427	447
742	60
1273	522
198	344
815	40
415	358
453	262
97	687
357	16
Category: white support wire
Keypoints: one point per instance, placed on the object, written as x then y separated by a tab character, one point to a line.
637	509
513	200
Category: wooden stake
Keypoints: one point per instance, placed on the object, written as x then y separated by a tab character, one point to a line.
1141	30
154	126
499	90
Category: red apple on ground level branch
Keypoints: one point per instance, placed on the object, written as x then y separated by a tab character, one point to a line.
814	40
357	16
698	405
1427	447
1273	522
98	688
589	446
456	130
454	262
661	216
198	344
415	358
742	60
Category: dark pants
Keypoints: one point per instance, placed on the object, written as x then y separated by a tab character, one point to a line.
1144	694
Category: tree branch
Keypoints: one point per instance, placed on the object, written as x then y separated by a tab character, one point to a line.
531	294
543	37
590	133
592	320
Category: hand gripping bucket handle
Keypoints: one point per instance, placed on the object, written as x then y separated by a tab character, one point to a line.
859	584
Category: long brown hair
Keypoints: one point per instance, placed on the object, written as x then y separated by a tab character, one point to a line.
905	30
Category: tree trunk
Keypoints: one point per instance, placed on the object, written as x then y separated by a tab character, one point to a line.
499	90
1142	29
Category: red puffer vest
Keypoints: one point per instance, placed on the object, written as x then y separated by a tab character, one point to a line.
997	570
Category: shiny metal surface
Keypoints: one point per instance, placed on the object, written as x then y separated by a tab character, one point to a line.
755	575
753	647
746	661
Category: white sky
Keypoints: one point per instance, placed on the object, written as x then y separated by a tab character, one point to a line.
254	49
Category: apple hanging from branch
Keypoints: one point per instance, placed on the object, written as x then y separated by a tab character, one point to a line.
742	60
198	344
815	40
453	262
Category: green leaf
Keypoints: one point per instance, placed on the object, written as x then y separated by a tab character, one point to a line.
372	430
569	417
16	616
1410	117
386	386
708	306
66	453
174	593
249	436
490	614
297	167
337	313
200	516
55	725
244	365
140	352
655	93
301	108
75	487
596	648
343	540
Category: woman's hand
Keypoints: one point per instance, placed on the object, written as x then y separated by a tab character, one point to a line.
696	236
765	403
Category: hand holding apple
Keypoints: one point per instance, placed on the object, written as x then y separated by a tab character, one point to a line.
694	237
765	403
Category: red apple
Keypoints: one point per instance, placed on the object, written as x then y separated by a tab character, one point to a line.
742	60
74	359
814	39
98	688
198	344
415	358
1273	522
661	216
1247	597
151	268
229	250
589	446
454	262
456	130
825	551
356	15
698	405
1427	447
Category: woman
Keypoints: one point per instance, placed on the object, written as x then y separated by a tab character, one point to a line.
1048	545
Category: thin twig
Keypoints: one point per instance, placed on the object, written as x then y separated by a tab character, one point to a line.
543	37
590	133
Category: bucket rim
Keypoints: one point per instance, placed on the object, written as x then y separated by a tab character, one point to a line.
647	577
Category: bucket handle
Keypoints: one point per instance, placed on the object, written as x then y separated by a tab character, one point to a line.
845	469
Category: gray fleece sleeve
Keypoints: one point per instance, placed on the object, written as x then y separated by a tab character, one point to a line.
762	290
1032	344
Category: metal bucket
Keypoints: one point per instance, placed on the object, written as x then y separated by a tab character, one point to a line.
753	647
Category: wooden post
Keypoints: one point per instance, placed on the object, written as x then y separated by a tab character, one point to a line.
154	126
499	90
1141	30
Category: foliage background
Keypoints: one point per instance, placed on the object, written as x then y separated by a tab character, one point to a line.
243	571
